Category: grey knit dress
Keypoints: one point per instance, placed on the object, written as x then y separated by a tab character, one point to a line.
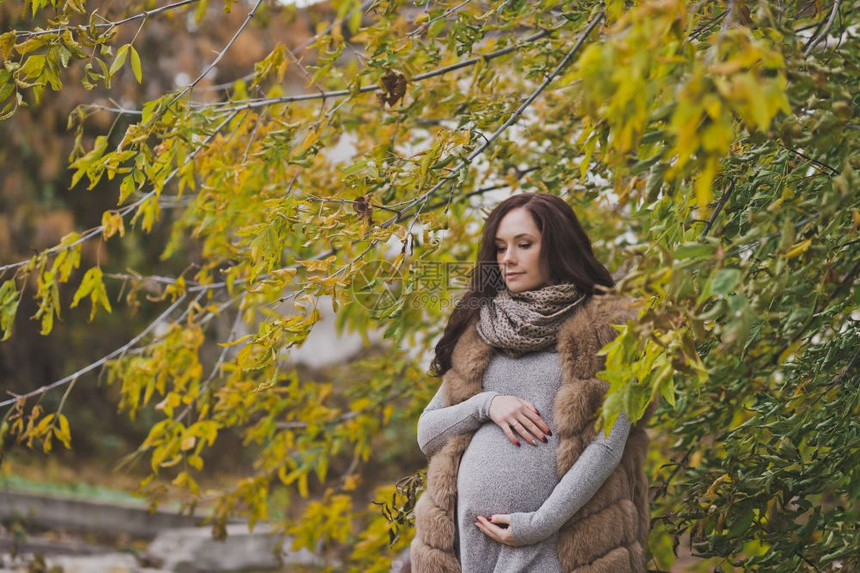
495	476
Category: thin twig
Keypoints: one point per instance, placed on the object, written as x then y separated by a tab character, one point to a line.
99	362
510	121
845	283
214	62
815	162
95	231
707	26
827	27
300	48
145	14
725	197
215	369
262	102
424	26
232	112
295	425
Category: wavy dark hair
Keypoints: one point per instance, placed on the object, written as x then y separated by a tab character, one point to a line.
565	250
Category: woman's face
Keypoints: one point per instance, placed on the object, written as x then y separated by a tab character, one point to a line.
518	243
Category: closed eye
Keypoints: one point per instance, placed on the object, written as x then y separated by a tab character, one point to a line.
523	246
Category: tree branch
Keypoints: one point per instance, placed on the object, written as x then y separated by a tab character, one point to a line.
845	283
97	363
827	27
270	101
420	29
815	162
723	198
510	121
95	231
300	48
213	63
145	14
262	102
296	425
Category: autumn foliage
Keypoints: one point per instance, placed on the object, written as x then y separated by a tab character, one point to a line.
710	148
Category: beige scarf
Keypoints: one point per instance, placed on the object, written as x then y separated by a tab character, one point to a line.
522	322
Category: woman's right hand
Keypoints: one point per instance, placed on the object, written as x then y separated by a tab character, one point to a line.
513	414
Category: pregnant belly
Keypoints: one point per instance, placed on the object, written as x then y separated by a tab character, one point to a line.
496	476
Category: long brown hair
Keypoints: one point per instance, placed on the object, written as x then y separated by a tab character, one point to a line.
565	251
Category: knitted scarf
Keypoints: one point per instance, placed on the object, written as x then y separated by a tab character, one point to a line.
522	322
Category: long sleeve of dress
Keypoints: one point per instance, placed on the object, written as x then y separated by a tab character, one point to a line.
575	488
438	421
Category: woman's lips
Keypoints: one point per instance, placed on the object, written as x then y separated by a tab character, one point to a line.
514	275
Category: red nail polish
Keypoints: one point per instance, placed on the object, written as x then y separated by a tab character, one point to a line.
518	444
489	519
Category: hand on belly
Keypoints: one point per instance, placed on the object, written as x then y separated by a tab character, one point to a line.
497	526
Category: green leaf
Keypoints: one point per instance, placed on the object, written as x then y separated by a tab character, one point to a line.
135	64
92	285
33	67
725	280
119	60
200	11
693	251
667	390
8	307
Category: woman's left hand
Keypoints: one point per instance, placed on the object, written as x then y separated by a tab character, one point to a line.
491	528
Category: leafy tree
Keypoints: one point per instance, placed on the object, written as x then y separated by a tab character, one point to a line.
709	148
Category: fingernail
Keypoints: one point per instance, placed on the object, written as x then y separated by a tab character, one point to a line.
518	444
549	433
544	439
489	519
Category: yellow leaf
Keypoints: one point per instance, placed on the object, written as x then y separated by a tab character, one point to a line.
43	425
712	105
720	480
798	249
360	404
303	485
311	138
286	274
318	265
702	186
112	224
351	482
696	459
63	431
235	342
792	348
717	137
188	442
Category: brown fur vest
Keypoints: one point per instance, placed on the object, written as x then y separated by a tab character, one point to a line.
609	534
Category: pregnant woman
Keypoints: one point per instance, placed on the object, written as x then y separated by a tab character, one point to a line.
518	479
